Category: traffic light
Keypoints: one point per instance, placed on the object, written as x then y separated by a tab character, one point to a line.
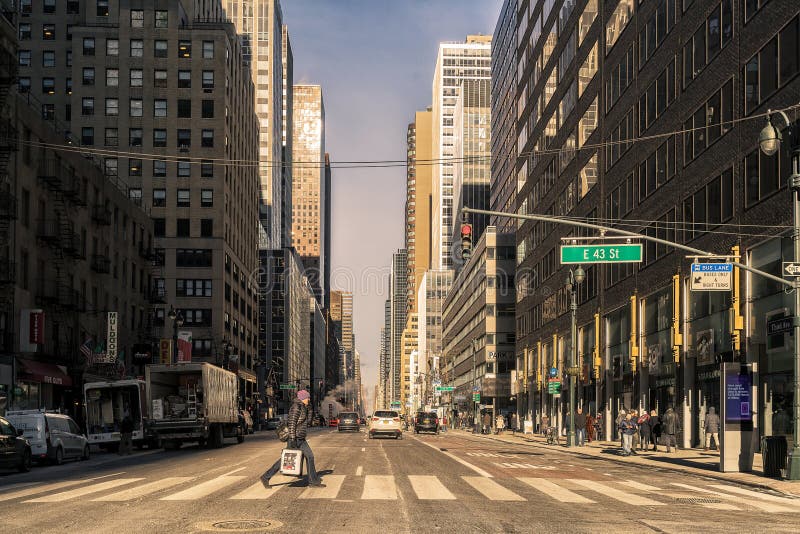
466	241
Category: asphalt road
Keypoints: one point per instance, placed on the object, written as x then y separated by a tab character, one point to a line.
445	483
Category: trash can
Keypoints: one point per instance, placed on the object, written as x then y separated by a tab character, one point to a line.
773	452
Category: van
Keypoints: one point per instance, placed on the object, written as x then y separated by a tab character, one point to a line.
53	436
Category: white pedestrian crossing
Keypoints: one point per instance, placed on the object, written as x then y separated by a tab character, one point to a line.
551	489
333	483
757	495
619	495
379	487
491	489
257	492
429	488
86	490
763	506
41	489
145	489
204	489
652	489
641	487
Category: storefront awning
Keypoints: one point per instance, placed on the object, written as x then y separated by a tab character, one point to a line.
46	373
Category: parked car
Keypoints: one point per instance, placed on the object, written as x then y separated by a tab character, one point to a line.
386	422
52	436
426	422
334	421
272	423
246	421
349	421
15	451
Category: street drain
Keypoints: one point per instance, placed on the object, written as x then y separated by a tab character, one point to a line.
240	525
697	500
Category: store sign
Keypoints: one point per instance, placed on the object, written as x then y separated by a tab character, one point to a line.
111	337
36	327
712	276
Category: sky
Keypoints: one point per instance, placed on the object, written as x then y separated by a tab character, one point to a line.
374	60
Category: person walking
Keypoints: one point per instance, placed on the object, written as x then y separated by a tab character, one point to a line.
645	434
500	424
545	424
636	440
297	422
627	428
711	427
619	420
589	427
670	426
126	436
487	423
655	428
580	428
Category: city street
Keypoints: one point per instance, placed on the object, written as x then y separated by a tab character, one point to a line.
452	482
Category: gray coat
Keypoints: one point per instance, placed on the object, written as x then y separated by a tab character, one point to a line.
712	422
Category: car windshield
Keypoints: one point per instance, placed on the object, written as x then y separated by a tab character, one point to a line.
386	414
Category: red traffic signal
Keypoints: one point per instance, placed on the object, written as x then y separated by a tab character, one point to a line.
466	241
466	230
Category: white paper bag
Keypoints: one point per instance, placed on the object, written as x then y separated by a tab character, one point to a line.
292	462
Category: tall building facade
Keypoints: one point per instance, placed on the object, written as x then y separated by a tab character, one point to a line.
286	141
398	294
308	182
647	116
455	62
259	24
419	182
430	301
409	397
386	354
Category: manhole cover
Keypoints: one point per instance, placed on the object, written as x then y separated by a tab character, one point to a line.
698	500
241	525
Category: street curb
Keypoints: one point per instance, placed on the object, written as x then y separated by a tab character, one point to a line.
685	469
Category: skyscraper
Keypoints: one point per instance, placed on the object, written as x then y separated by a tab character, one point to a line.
456	62
308	182
286	135
398	320
418	201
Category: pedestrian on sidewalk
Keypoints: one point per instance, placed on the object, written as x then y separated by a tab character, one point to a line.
711	427
545	424
598	426
580	428
670	426
644	431
514	423
500	424
628	429
636	441
589	427
618	422
487	423
655	428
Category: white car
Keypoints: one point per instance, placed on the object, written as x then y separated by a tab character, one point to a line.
53	436
386	422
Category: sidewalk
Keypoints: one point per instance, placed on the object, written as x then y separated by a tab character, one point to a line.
695	461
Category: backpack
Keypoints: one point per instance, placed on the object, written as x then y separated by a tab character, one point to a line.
282	431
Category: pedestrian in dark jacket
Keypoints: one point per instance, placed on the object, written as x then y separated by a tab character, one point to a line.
126	435
580	427
655	428
628	428
670	426
644	431
487	423
297	423
711	428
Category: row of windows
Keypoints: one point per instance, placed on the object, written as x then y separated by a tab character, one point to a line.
622	75
160	79
656	29
49	6
160	168
773	66
183	227
618	145
711	121
192	288
183	197
707	41
136	136
711	205
160	107
655	100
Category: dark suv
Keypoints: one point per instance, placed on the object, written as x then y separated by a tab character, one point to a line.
349	421
426	422
15	451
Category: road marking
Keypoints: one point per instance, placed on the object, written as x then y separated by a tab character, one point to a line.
764	506
429	488
513	465
608	491
256	491
333	483
642	487
756	495
491	489
79	492
232	472
206	488
379	487
145	489
359	470
555	491
475	468
363	449
42	489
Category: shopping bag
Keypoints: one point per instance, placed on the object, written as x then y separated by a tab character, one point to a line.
292	462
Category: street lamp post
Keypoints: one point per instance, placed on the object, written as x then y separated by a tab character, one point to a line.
770	142
177	322
574	279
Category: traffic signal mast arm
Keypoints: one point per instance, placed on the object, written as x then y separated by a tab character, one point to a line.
607	229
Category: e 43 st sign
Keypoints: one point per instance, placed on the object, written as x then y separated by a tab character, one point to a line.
619	253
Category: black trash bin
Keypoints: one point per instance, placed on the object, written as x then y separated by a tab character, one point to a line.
773	452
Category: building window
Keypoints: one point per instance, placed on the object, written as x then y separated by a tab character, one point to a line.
134	167
207	198
24	57
206	169
773	66
708	207
159	108
656	29
24	31
102	8
206	227
24	85
208	49
193	288
88	76
160	78
655	100
184	49
25	7
193	257
111	167
707	41
135	107
48	58
625	130
619	19
159	137
208	79
184	138
762	175
162	19
159	227
160	49
112	107
112	137
88	46
137	48
135	136
183	199
184	79
708	123
112	47
49	6
48	112
48	32
208	109
135	195
159	198
69	86
87	106
184	169
159	168
182	228
184	108
87	136
73	7
136	77
751	7
137	18
207	138
48	86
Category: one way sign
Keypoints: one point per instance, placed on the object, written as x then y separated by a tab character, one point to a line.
791	269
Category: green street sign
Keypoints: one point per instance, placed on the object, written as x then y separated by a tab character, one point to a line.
476	397
288	386
621	253
554	388
445	388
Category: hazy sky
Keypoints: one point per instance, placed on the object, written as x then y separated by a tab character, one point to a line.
375	62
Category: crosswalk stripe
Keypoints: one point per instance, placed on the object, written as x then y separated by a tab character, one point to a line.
204	489
333	483
653	489
256	491
642	487
359	470
86	490
491	489
40	489
145	489
764	506
379	487
554	490
429	488
608	491
757	495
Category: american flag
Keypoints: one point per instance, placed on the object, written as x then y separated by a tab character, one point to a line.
86	348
